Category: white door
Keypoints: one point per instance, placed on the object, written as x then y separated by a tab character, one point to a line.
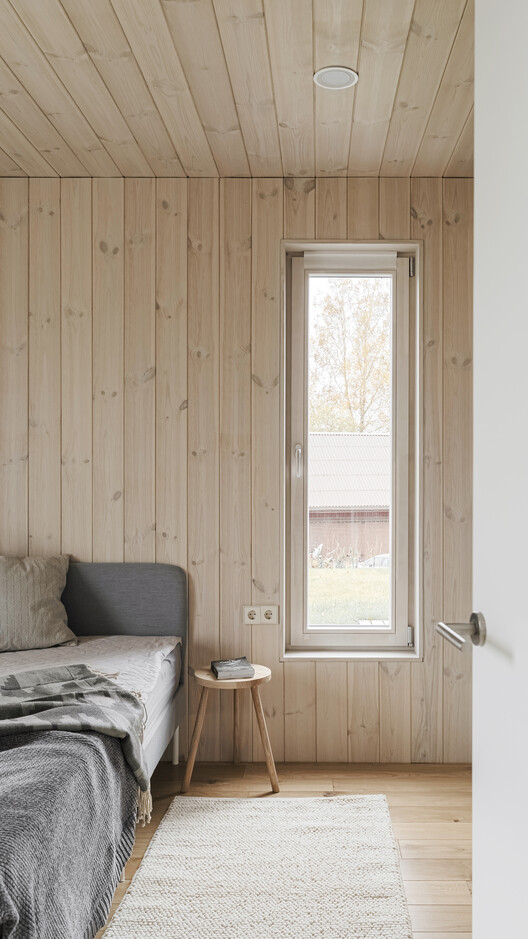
500	701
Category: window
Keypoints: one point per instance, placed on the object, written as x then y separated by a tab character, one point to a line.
352	451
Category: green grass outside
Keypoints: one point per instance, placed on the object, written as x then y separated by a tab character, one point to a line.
341	596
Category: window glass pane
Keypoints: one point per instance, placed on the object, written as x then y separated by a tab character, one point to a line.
349	450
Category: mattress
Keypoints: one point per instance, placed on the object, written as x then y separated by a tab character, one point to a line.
163	692
148	666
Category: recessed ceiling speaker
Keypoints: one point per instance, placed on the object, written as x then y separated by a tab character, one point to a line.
336	77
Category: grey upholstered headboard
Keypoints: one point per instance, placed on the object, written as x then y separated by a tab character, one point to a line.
128	599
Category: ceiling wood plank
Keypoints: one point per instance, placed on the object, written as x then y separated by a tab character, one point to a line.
289	27
386	25
20	149
243	34
8	167
336	31
146	30
453	104
461	162
433	29
28	117
195	35
103	38
53	32
24	58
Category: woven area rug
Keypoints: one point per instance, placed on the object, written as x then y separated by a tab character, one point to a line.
268	869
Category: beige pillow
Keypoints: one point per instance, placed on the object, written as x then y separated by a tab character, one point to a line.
31	613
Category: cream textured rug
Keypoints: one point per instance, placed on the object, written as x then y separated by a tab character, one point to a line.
268	869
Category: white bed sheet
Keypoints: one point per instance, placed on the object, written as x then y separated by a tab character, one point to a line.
164	690
135	662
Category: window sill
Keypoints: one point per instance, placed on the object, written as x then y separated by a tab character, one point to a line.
352	655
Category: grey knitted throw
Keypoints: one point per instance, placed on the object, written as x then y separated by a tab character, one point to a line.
67	825
72	782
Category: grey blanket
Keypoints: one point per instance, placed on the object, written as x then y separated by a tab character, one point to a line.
68	799
62	846
73	697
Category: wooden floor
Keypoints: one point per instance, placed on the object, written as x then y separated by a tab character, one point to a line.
430	808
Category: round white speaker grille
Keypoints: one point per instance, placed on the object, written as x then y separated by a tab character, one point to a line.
336	77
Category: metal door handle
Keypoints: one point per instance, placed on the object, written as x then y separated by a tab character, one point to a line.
298	460
459	633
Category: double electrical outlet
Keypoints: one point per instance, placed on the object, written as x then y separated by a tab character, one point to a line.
261	614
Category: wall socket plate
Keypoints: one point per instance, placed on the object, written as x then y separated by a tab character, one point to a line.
261	615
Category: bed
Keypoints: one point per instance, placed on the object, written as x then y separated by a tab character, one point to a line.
137	600
69	828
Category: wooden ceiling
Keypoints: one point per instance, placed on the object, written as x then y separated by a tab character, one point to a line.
224	87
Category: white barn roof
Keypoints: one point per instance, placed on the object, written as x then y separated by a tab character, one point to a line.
349	470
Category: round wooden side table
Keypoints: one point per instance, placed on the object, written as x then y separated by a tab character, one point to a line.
207	680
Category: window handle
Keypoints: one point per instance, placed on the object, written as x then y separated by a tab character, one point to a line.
298	460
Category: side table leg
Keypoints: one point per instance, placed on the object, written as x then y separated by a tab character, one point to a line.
261	720
236	723
200	716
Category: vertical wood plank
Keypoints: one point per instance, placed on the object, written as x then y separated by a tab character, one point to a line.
331	682
299	712
363	208
331	207
76	367
394	208
363	678
203	443
395	677
267	228
457	296
108	304
44	513
299	677
395	712
426	676
139	369
299	208
171	371
363	712
235	447
171	385
14	366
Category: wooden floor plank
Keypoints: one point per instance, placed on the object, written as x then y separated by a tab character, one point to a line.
431	892
435	869
456	798
441	935
432	831
435	849
450	919
425	813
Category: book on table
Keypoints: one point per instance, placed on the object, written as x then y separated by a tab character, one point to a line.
232	669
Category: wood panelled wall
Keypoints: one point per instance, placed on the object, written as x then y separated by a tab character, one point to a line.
139	421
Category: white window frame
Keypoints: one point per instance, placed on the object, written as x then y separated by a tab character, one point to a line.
401	639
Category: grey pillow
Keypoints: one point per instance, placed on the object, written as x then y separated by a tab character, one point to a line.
31	613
